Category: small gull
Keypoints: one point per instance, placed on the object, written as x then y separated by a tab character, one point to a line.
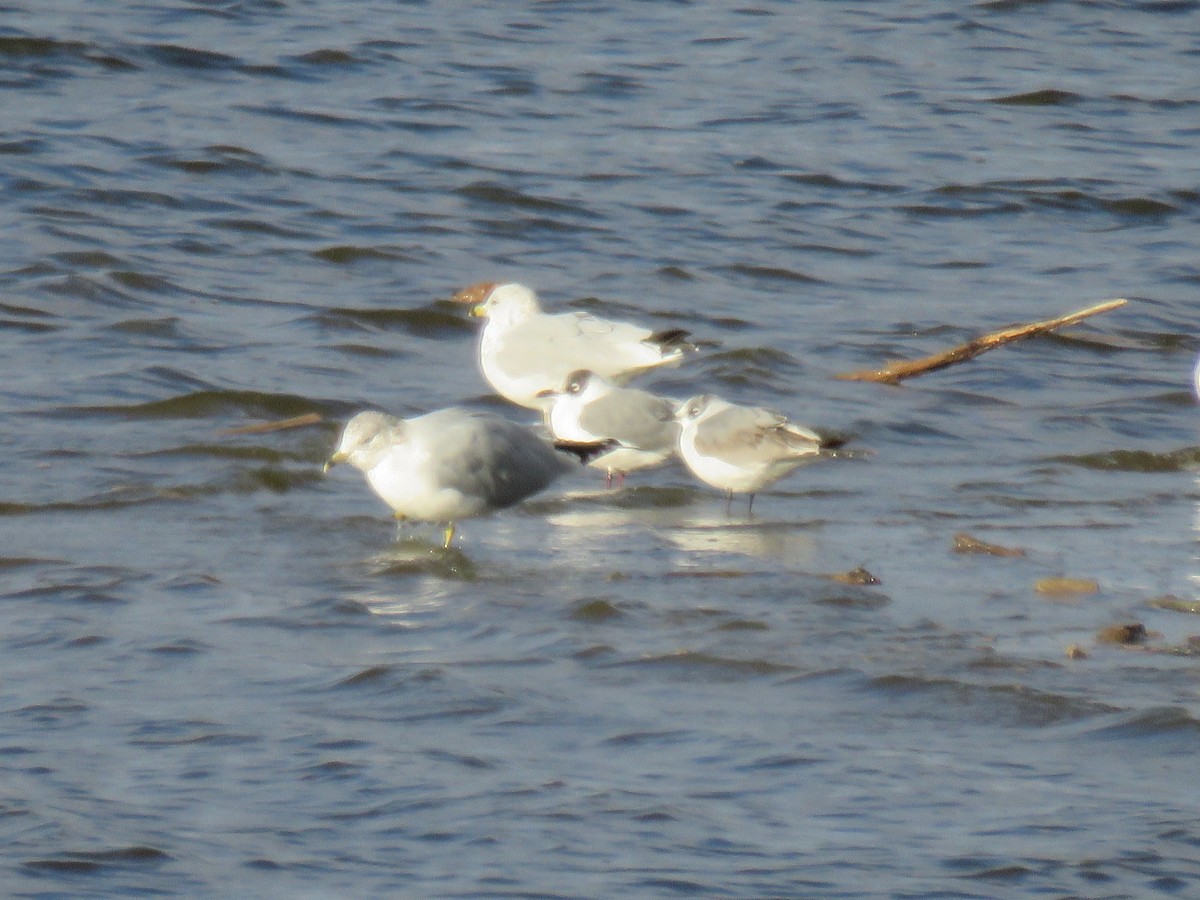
587	408
743	448
524	351
453	463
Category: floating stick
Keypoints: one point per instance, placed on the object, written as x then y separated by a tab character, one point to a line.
277	425
898	371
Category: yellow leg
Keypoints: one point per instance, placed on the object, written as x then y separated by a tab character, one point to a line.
449	536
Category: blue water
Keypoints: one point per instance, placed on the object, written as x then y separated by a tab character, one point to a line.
224	674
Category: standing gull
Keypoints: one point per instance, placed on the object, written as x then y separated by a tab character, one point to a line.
743	448
587	408
452	464
524	351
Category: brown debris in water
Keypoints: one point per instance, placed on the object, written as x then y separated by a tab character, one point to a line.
1126	634
1074	651
1066	587
474	294
1190	646
898	371
1176	604
854	576
965	543
277	425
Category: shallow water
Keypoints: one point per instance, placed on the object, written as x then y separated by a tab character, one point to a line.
224	674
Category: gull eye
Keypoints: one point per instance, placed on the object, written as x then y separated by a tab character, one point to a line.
575	386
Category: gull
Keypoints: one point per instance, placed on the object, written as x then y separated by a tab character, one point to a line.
743	449
453	463
587	408
524	351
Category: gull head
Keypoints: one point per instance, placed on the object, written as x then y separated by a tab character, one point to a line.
365	436
505	302
700	407
582	383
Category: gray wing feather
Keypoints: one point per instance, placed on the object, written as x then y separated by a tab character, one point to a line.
487	456
748	436
635	418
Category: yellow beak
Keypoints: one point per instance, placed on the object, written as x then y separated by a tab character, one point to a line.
478	312
333	461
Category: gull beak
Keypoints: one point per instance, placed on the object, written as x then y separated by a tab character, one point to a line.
333	461
549	392
478	312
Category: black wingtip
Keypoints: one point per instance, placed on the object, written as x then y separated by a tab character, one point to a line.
833	446
586	451
672	337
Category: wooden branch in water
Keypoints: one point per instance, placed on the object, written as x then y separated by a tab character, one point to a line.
277	425
898	371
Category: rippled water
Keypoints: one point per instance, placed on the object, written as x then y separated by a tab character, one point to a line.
224	674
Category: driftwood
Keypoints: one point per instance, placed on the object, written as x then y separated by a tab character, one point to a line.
276	425
898	371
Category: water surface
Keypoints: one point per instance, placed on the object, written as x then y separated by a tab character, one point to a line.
226	675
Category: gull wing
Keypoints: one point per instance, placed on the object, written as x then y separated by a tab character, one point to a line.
635	418
750	436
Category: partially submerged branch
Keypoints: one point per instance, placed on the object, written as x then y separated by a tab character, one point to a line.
898	371
277	425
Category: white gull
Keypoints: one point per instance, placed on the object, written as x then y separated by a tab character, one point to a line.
742	449
453	463
587	408
524	351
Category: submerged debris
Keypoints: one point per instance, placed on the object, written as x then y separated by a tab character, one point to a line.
1184	459
1125	633
965	543
595	609
1066	587
277	425
1177	604
860	600
854	576
1136	636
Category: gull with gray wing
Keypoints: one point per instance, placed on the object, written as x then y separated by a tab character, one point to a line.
453	463
588	408
742	449
524	351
